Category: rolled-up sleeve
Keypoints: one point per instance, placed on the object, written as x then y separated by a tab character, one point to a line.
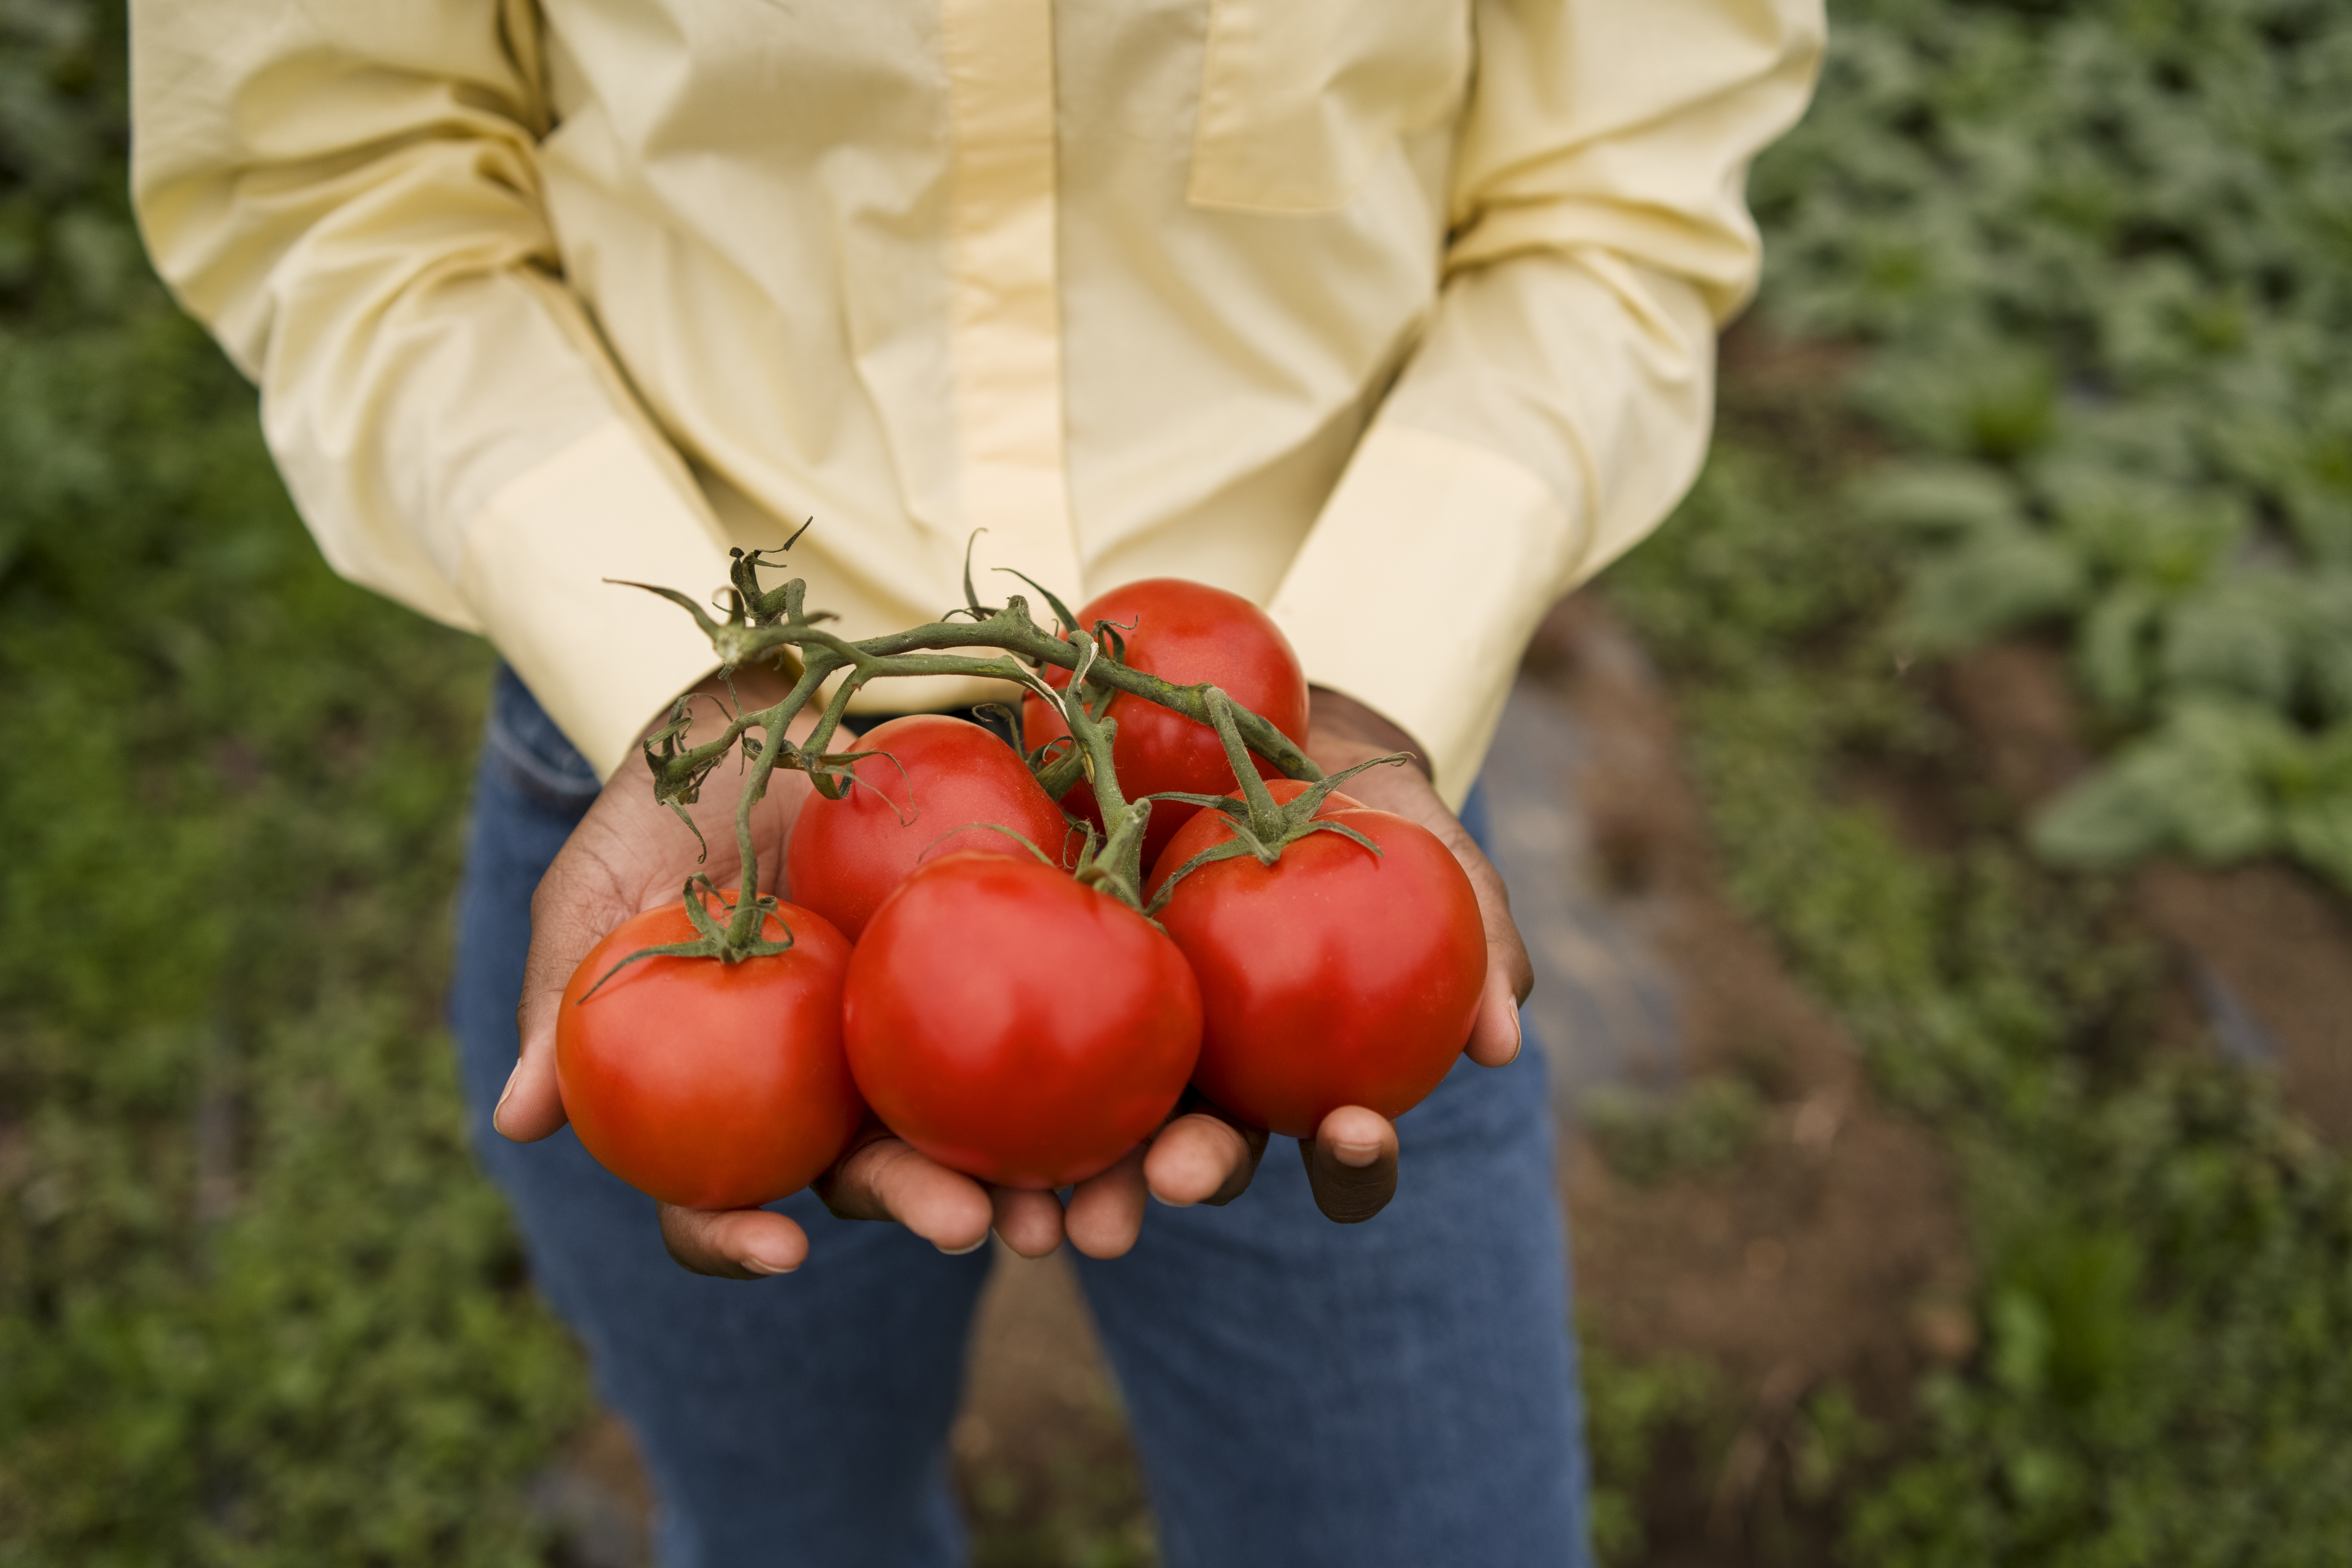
1561	401
348	198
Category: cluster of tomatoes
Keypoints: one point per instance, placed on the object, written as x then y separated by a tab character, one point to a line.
948	975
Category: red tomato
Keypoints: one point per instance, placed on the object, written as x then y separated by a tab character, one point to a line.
1186	633
708	1084
1014	1025
1335	976
941	774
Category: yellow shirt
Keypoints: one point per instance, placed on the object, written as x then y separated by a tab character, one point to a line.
1396	316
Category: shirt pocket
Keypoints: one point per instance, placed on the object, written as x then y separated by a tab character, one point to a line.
1298	98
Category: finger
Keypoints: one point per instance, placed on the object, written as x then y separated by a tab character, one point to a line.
1507	950
628	854
733	1244
885	1179
533	1106
1351	1165
1107	1211
1510	976
573	908
1494	1032
1201	1158
1030	1223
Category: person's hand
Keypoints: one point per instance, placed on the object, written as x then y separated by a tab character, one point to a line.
630	853
1198	1157
1352	1163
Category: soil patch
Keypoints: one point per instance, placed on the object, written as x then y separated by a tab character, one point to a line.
2269	954
1832	1251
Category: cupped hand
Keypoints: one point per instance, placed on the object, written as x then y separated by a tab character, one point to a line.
1352	1163
1198	1157
631	854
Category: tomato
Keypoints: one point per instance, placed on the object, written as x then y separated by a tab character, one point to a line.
708	1084
941	775
1015	1024
1333	977
1186	633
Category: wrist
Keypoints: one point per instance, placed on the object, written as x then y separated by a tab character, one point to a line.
1334	716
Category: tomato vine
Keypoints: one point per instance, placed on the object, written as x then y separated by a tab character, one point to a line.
774	627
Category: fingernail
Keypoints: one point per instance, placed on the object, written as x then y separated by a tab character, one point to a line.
1356	1155
762	1265
962	1251
1518	1037
508	1093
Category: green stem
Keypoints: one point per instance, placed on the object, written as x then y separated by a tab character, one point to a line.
1120	863
1265	817
914	652
765	626
744	929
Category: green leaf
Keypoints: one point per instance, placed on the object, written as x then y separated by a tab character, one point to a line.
1999	577
2114	646
2238	636
2199	785
2326	652
1939	500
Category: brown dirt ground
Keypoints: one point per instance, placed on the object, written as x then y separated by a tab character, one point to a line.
1834	1251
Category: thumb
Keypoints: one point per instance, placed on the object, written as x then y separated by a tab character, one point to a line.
564	928
1351	1165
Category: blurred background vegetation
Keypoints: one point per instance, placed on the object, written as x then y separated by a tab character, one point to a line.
255	1306
2078	275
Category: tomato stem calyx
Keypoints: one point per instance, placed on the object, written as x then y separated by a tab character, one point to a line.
1261	826
716	941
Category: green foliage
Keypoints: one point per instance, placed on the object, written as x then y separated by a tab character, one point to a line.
1832	1442
2169	1259
255	1306
1632	1409
1080	1507
2096	253
1648	1137
2098	248
2219	781
2165	1379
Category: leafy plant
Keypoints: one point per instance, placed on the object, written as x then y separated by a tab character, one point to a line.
1633	1408
1648	1137
2169	1258
2098	258
255	1306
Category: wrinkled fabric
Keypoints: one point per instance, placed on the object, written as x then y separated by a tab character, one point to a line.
1396	317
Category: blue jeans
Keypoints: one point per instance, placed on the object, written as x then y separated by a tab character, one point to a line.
1401	1392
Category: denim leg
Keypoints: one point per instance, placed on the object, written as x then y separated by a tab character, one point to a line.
788	1421
1401	1392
